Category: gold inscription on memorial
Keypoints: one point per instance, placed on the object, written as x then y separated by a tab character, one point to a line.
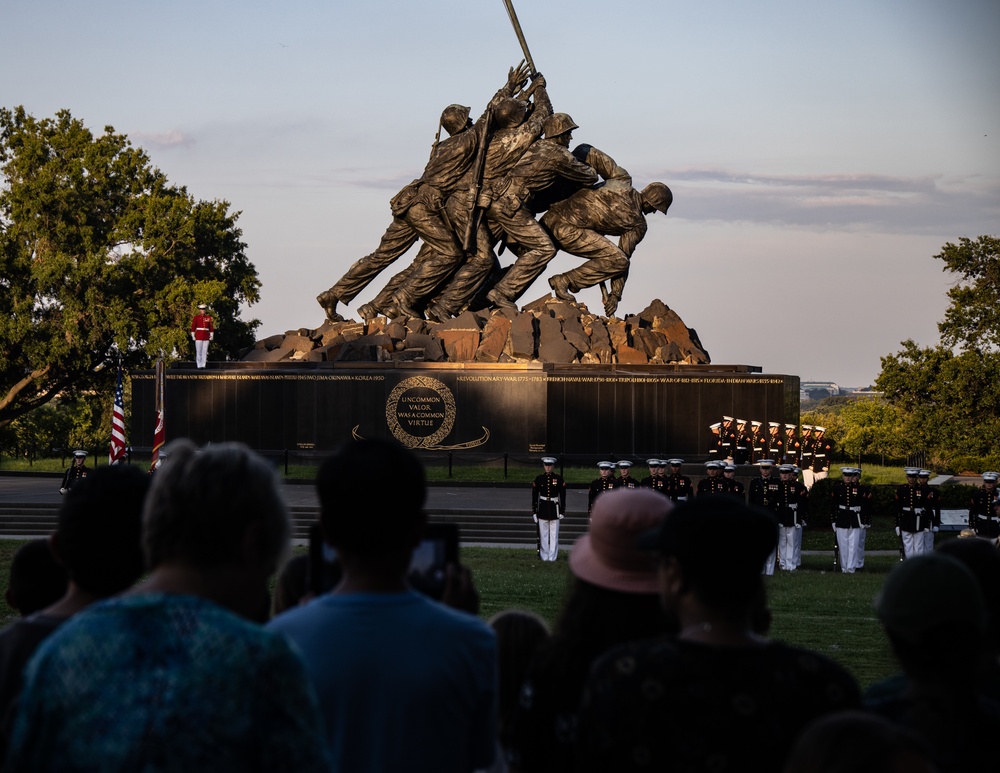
420	412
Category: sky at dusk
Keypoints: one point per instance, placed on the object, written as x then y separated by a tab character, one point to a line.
819	154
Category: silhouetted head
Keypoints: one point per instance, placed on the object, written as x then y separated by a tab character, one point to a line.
373	513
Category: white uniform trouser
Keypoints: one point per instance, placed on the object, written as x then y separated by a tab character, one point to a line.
851	544
789	547
917	543
808	477
548	532
200	353
769	564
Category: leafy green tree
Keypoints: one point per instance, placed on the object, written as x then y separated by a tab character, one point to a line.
102	259
872	426
949	395
972	321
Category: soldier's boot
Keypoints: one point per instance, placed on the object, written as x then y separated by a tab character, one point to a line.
368	312
402	305
501	301
436	312
560	287
328	300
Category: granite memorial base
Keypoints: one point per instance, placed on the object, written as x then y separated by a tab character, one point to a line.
525	408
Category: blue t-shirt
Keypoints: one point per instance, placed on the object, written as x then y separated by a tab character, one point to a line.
166	683
405	683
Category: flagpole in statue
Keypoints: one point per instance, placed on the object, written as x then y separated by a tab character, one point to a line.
159	433
531	63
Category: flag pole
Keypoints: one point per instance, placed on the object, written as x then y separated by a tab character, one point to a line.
159	432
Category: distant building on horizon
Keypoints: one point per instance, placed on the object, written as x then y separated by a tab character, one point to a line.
819	390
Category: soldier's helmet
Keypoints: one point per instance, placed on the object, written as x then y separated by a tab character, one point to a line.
558	123
511	112
658	196
454	118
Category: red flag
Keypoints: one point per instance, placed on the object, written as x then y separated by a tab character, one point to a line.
159	433
117	449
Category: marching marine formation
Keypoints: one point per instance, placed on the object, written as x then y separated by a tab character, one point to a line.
852	517
819	466
548	507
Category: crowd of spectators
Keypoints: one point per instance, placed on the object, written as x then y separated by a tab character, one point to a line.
659	660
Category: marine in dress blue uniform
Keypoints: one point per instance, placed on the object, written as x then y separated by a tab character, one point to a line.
852	517
606	482
548	507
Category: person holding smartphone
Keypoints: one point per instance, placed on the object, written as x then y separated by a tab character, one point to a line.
387	661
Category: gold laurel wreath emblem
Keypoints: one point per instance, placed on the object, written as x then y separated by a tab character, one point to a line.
392	407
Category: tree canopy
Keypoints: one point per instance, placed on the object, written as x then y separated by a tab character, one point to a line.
100	259
972	321
949	395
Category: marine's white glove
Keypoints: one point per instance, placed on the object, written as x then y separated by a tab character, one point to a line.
192	336
534	518
62	491
211	336
798	526
866	526
897	531
561	516
833	526
935	529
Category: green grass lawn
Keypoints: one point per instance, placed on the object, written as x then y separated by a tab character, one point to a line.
814	607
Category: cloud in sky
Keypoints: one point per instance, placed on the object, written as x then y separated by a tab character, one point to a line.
887	204
162	140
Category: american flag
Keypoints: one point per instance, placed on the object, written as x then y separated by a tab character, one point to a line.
117	449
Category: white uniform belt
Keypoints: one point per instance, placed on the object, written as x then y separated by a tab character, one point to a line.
549	499
853	509
201	328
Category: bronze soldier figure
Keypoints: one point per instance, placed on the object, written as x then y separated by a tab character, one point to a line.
546	160
416	209
580	224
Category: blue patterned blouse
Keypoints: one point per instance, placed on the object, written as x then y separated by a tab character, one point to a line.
166	683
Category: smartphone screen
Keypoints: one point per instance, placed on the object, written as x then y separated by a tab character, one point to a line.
431	557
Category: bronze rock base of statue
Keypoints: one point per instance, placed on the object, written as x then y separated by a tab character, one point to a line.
547	330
